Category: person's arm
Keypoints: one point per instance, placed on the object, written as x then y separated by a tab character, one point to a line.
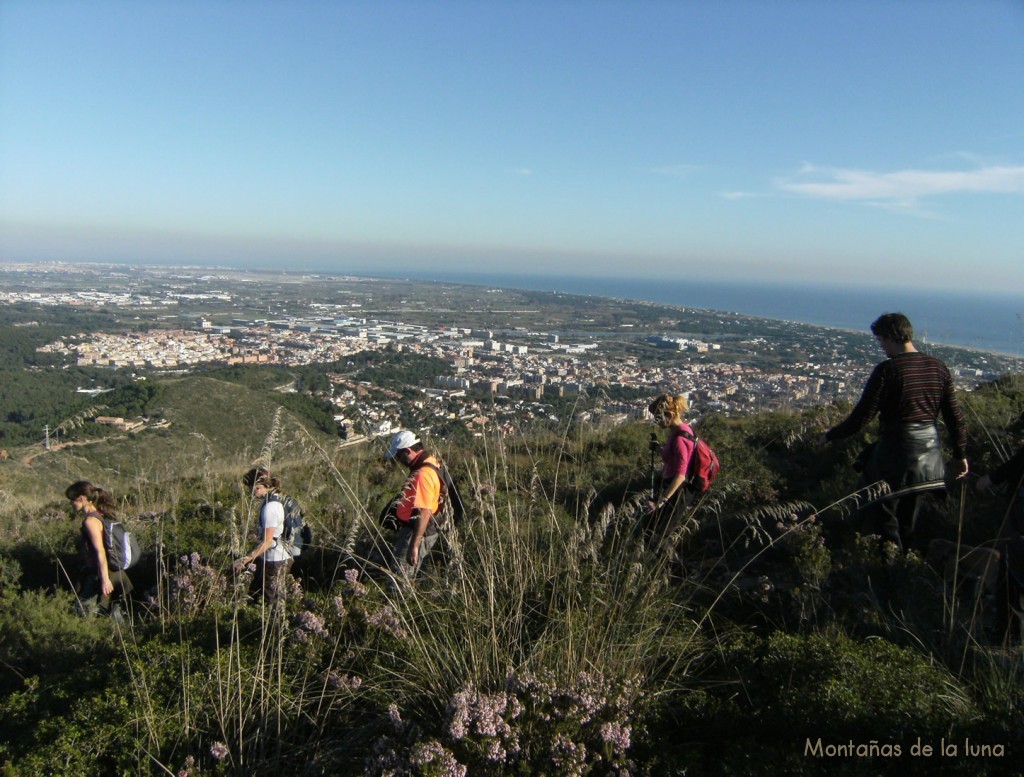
259	550
679	457
422	521
94	527
864	410
673	487
272	518
956	426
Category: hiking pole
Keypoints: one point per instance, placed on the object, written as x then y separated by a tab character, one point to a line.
651	445
645	512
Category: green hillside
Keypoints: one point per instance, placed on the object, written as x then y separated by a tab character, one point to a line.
769	636
214	426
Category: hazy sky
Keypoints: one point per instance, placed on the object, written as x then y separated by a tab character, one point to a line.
871	142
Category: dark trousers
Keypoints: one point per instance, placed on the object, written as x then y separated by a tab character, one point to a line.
905	454
657	526
896	521
90	591
270	580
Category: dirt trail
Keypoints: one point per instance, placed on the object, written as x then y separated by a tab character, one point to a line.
27	460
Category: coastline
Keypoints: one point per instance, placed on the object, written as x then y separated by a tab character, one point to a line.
968	320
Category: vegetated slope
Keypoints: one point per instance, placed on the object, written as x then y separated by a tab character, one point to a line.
213	425
546	631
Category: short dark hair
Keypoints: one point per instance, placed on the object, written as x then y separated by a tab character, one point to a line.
893	326
260	476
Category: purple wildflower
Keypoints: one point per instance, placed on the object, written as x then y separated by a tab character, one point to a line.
219	751
310	622
339	607
352	578
343	682
395	717
433	752
386	619
616	735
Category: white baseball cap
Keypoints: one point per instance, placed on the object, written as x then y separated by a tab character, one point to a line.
400	441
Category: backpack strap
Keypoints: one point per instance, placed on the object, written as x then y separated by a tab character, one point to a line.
442	477
692	462
440	469
273	496
687	435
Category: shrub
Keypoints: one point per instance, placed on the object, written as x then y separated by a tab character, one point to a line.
537	724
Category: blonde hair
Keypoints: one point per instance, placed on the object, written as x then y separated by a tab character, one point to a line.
669	406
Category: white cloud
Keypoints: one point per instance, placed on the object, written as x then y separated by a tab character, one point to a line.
524	171
902	188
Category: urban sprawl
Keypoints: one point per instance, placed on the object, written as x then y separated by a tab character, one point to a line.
523	367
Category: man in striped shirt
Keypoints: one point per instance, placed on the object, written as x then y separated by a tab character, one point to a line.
908	392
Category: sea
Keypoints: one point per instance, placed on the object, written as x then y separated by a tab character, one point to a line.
986	322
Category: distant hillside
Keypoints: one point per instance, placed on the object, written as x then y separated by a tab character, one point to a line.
214	426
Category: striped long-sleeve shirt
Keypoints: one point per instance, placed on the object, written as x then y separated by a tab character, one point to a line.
906	388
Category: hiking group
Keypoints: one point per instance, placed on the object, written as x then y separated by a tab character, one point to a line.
107	549
909	391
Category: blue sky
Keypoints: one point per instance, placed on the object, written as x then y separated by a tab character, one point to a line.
855	142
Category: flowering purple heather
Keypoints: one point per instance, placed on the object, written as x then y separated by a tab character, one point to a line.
395	717
196	584
339	607
495	752
293	587
616	735
458	711
472	711
311	622
352	578
219	751
187	767
386	619
568	757
343	682
433	752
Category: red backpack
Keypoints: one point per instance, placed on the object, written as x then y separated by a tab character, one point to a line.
703	467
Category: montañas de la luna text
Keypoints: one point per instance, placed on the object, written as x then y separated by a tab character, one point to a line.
875	749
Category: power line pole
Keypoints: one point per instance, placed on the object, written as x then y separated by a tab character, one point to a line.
46	430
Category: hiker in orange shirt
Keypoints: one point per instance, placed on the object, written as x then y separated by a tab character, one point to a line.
416	505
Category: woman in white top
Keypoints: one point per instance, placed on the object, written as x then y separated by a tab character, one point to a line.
273	560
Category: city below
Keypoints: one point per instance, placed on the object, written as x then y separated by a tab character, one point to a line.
502	354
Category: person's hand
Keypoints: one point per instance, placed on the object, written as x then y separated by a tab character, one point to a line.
960	468
106	586
984	484
238	565
414	553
